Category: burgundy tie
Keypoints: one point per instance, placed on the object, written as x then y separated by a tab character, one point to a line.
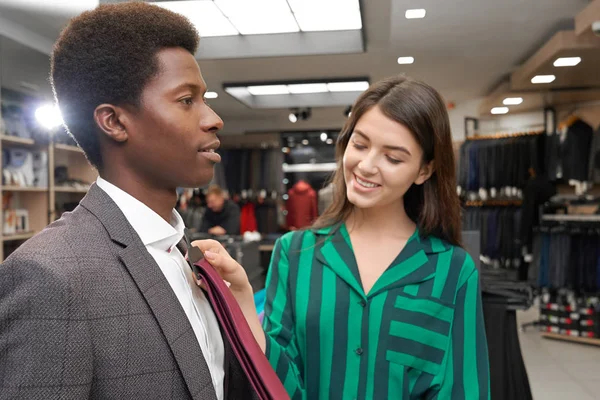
257	368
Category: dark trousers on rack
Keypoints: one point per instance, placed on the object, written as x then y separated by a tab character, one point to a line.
508	376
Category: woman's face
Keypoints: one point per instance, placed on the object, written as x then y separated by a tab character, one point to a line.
381	162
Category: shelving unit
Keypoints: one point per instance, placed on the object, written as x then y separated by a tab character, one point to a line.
13	140
575	339
20	236
44	203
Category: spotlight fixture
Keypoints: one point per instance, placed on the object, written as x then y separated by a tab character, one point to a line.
323	136
299	114
348	111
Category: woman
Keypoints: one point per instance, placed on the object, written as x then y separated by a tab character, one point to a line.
378	300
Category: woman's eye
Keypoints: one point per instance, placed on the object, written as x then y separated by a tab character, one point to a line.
359	146
394	161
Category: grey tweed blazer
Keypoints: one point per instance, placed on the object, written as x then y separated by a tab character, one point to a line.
86	313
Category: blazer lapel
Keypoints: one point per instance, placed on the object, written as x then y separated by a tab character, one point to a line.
157	293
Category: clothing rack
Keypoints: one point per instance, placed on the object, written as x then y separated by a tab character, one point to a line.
566	266
505	134
494	203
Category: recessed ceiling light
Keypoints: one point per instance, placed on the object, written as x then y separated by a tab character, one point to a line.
406	60
499	110
543	79
258	16
308	88
265	90
204	15
512	101
211	95
293	118
348	86
415	14
567	61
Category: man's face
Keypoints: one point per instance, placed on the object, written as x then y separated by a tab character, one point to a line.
215	202
172	137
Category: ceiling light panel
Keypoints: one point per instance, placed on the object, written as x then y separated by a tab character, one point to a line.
567	61
327	15
543	79
267	90
512	101
308	88
499	110
255	17
406	60
204	15
415	14
211	95
348	86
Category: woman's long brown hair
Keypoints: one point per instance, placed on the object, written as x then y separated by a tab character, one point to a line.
434	206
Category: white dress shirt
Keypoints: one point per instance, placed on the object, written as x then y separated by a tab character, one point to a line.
161	239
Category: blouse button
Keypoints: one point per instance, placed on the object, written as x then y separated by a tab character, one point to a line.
359	351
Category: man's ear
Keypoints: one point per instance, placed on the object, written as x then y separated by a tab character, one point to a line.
425	173
110	119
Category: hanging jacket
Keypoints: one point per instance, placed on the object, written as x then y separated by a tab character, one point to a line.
301	206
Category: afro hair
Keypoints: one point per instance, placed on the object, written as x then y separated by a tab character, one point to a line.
108	55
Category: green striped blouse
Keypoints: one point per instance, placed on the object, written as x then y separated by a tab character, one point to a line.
419	333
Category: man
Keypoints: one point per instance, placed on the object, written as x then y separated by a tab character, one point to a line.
101	304
222	216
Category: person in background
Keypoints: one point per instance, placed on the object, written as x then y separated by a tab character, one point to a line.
222	216
378	299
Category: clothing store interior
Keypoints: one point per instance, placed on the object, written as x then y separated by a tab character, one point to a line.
521	84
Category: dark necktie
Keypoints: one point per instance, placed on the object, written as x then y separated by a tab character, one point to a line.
255	365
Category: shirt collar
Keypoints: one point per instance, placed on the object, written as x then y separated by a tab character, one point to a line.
153	230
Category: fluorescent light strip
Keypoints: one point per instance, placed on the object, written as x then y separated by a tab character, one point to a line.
348	86
267	90
512	101
567	61
415	14
543	79
499	110
299	88
308	88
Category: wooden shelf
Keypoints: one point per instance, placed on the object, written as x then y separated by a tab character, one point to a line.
19	236
68	189
23	189
575	339
66	147
17	140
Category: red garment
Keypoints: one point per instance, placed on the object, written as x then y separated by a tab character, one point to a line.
248	219
301	206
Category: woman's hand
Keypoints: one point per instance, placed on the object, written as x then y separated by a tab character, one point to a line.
232	272
229	269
